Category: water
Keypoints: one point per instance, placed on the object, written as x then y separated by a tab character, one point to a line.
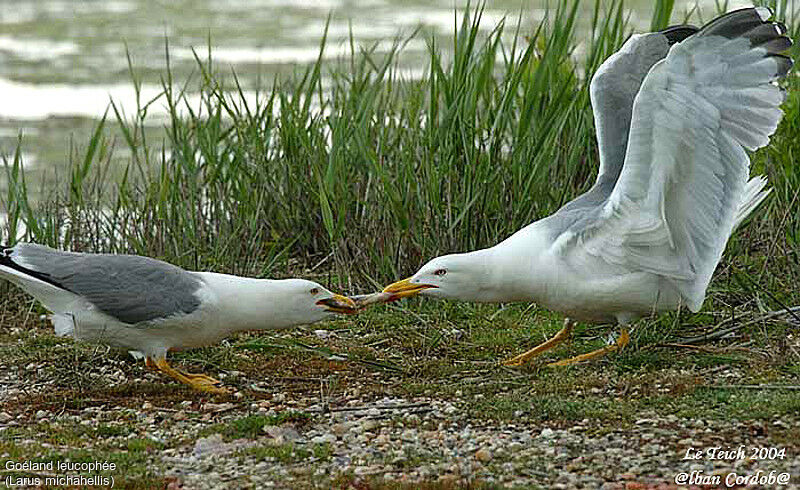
61	61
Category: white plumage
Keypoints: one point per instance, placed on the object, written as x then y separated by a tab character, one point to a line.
675	112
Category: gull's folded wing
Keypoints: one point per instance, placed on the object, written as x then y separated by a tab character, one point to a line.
130	288
684	182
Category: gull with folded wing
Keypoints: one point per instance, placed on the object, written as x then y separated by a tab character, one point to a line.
150	307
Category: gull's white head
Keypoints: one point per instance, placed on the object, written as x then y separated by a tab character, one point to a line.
305	302
465	277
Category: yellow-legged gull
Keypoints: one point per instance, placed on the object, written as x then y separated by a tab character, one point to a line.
150	307
675	112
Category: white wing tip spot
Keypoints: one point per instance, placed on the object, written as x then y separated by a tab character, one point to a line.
764	13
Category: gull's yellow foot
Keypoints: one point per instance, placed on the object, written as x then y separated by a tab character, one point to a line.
561	336
200	382
200	377
621	342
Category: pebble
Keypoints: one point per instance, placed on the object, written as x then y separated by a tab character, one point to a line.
323	439
369	425
483	455
282	435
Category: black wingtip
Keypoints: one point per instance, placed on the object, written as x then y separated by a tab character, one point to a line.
784	64
754	24
737	22
6	260
676	34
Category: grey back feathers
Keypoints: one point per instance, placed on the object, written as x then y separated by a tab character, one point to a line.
130	288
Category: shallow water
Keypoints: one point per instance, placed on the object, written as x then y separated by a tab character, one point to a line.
61	61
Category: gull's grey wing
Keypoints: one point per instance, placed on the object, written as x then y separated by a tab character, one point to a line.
130	288
684	184
612	90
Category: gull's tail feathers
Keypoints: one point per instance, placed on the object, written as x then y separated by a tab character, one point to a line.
754	193
13	269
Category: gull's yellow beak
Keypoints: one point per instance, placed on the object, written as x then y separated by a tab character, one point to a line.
340	304
404	289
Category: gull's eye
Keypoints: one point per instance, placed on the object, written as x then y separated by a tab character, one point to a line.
314	290
439	272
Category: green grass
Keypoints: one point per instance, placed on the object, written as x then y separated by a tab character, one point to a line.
251	426
288	453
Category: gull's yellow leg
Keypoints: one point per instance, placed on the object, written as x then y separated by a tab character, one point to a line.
621	342
199	382
202	378
561	336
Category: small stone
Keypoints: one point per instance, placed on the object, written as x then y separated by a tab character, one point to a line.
483	455
547	433
369	425
322	334
41	414
5	417
282	435
147	406
323	439
209	445
179	415
217	407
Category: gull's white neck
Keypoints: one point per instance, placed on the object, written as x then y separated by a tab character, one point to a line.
514	263
244	303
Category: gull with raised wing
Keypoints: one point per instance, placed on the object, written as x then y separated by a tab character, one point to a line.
675	112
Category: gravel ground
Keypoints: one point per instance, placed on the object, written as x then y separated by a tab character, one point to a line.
417	440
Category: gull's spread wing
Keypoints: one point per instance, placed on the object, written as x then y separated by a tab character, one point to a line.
684	182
